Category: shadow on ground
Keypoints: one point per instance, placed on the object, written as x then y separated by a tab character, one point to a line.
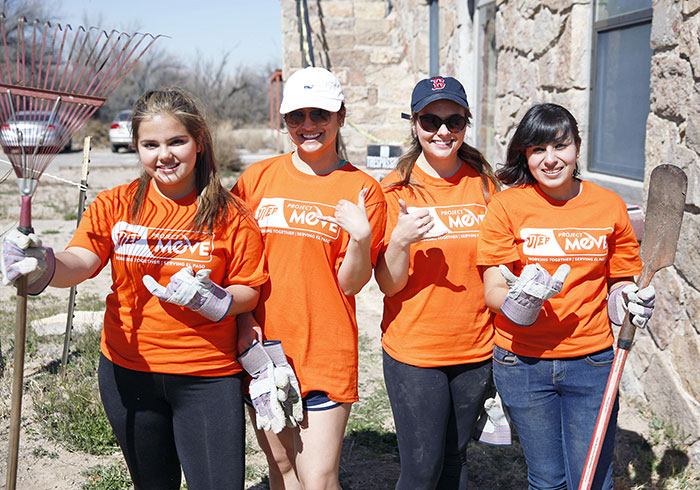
637	466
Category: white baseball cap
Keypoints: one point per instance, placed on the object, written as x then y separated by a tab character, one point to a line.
312	87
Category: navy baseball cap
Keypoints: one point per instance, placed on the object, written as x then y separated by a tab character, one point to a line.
437	88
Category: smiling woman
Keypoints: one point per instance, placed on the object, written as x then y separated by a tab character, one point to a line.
436	358
322	221
558	255
168	153
170	319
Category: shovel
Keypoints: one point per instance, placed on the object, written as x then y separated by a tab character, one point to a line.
662	226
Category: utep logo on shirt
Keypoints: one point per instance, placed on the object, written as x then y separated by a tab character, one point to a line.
137	241
461	218
560	242
280	213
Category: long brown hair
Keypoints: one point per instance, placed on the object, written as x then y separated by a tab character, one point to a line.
214	203
470	155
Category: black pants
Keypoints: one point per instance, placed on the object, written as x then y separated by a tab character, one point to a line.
435	410
162	421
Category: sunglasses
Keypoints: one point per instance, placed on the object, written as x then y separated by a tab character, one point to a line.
431	123
295	119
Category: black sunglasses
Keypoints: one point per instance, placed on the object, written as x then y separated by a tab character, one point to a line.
431	123
318	116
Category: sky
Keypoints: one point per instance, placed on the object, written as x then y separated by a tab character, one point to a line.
250	30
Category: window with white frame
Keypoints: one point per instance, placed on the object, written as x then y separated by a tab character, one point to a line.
620	99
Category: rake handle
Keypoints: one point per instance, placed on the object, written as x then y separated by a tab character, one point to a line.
17	382
25	216
25	226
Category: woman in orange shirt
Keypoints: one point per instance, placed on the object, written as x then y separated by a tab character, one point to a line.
322	221
559	254
437	334
168	375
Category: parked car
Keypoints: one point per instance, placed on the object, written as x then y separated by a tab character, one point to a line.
120	131
29	127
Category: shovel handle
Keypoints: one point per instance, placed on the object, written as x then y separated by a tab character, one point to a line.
626	335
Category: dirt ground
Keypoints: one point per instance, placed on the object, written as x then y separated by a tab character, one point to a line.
53	205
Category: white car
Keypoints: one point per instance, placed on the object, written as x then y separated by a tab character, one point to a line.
120	131
29	129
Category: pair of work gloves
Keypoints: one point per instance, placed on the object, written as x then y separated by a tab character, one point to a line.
528	292
24	255
274	389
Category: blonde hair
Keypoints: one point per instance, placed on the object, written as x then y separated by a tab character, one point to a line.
214	203
470	155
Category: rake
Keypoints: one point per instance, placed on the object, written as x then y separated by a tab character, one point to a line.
53	78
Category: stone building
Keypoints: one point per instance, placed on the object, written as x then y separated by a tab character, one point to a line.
628	70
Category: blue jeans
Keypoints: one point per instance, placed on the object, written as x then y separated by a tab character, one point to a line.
553	405
435	410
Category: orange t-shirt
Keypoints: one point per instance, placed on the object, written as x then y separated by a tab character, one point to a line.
142	332
592	233
440	318
303	305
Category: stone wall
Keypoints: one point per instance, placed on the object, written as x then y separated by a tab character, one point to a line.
541	45
379	49
665	372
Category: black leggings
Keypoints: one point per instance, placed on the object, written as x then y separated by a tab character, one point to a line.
162	421
435	410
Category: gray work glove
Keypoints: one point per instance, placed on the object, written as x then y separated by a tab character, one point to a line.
630	299
269	413
287	384
23	255
528	292
194	291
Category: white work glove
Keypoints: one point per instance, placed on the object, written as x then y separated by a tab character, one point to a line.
269	413
194	291
23	255
638	302
492	427
528	292
287	384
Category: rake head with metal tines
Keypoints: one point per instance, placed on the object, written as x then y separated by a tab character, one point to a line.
52	79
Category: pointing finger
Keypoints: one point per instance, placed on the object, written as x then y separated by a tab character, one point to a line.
402	207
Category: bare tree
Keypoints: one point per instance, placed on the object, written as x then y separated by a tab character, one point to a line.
157	69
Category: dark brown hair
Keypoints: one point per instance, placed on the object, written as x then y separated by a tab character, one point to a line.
541	124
